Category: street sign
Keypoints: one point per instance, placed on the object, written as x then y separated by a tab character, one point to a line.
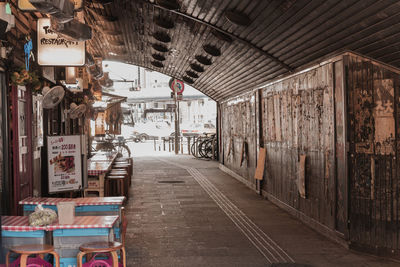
177	85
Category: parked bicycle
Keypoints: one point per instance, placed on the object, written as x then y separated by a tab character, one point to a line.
205	147
110	143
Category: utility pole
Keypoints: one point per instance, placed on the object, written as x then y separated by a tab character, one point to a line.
176	88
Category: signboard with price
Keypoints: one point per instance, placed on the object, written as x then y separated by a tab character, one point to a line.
64	163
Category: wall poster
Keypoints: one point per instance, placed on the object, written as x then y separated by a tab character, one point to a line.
64	163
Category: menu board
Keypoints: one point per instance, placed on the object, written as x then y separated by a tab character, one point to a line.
64	163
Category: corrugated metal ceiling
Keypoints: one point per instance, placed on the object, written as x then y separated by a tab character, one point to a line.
281	36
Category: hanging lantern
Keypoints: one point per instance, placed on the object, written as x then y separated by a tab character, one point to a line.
100	124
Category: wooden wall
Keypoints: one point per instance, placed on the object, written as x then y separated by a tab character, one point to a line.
298	119
344	117
239	139
373	114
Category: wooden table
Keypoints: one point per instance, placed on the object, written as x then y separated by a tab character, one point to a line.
103	156
66	237
98	166
21	223
86	222
83	206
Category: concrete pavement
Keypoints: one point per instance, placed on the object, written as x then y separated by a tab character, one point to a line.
187	212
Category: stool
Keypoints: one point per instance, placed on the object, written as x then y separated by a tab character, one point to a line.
99	191
33	249
125	160
102	247
127	166
120	185
122	172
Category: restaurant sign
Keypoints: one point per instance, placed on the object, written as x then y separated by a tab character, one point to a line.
64	163
54	50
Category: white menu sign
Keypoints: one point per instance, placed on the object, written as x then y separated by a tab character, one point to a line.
64	163
57	51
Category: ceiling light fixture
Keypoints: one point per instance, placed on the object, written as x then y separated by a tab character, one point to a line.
192	74
203	60
157	64
164	23
162	37
197	67
188	80
169	4
160	48
212	50
158	57
237	18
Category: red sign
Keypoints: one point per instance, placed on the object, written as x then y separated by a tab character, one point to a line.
177	86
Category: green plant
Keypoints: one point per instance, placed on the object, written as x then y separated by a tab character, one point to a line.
24	77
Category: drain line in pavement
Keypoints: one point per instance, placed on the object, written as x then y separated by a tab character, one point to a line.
272	252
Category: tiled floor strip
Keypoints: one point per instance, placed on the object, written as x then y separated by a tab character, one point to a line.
272	252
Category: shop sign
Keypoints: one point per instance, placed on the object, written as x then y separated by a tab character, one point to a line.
25	5
57	51
64	163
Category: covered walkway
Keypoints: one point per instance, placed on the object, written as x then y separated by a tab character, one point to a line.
187	212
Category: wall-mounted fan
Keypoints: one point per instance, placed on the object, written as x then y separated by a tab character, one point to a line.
76	111
52	96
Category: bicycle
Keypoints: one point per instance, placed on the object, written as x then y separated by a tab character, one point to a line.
109	144
205	146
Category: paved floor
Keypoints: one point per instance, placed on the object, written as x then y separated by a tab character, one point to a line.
186	212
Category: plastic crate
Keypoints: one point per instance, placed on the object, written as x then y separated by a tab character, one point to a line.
14	238
67	252
68	262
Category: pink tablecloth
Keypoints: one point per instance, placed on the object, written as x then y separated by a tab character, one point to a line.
83	222
92	201
21	223
18	224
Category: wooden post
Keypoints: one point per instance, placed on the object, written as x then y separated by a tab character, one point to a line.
213	148
197	147
188	142
155	146
164	143
169	144
181	144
